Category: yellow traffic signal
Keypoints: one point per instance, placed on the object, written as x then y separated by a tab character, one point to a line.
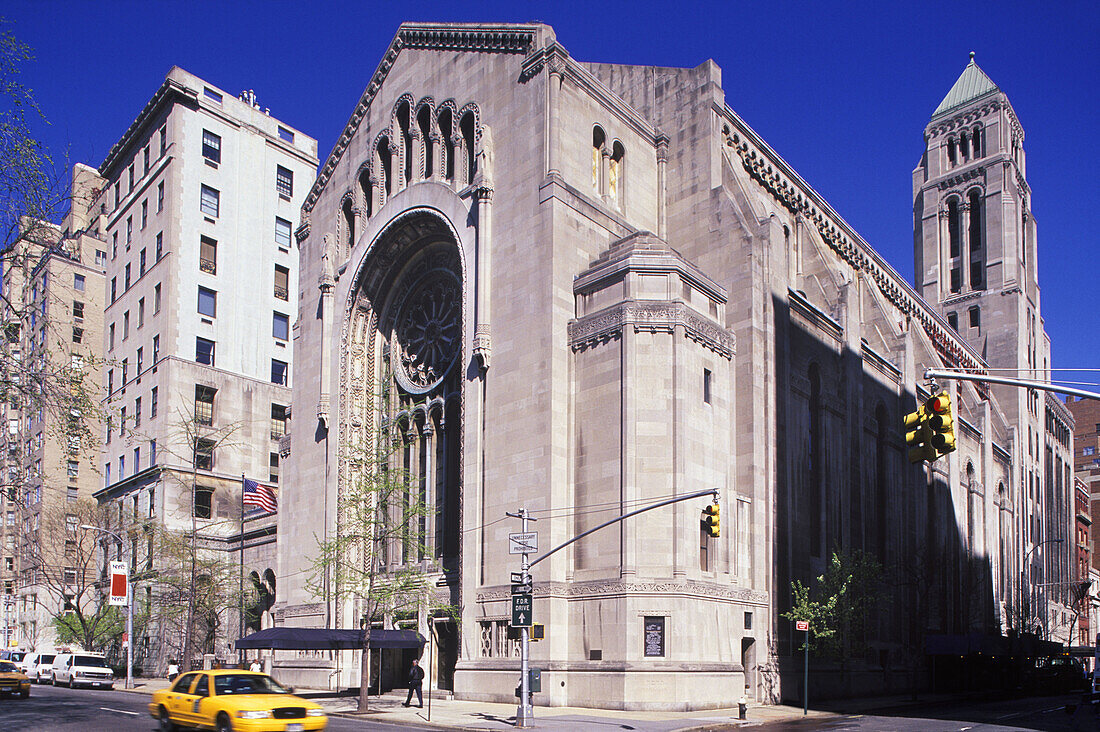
941	424
712	520
917	436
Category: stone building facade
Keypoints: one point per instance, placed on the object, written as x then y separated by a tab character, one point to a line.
593	286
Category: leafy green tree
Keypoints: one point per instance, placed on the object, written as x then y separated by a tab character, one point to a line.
840	602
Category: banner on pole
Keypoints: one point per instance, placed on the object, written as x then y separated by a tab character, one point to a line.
118	584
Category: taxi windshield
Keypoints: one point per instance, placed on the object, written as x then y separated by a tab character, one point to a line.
247	684
7	667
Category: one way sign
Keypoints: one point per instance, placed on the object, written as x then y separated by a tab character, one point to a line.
521	611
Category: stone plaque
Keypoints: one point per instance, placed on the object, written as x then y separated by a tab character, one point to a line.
654	636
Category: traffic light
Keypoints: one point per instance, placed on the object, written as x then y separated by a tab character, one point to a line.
711	519
940	423
917	436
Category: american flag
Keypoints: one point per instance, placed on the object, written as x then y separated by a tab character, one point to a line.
259	495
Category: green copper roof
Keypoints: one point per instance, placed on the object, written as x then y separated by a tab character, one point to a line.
971	84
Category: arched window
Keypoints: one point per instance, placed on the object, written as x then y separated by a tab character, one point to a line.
446	132
881	490
367	190
964	147
598	141
975	201
406	143
952	157
615	174
468	140
349	225
977	142
424	122
384	161
815	474
970	507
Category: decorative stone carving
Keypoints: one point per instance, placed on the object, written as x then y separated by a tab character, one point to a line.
483	347
327	278
650	317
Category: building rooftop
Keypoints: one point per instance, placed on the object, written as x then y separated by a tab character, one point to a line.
972	84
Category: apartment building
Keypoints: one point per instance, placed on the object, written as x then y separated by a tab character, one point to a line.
53	320
201	197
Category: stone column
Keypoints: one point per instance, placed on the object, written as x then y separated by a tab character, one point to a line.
556	68
662	186
325	283
483	348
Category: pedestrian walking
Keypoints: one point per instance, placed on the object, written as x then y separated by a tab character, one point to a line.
173	670
256	666
416	680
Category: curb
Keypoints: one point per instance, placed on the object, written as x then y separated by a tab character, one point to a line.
401	722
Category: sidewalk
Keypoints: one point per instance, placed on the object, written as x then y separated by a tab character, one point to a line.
469	715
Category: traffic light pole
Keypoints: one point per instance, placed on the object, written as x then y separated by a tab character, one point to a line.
933	374
525	713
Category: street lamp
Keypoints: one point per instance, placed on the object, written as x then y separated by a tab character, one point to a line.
1026	568
129	610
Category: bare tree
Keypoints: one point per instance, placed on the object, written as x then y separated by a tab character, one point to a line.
62	559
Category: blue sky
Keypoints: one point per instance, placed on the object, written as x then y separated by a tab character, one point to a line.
841	90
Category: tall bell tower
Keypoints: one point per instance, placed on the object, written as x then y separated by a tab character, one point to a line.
974	234
975	250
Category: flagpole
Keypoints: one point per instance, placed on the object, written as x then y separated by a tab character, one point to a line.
240	578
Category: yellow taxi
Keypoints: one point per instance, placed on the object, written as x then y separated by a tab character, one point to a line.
241	701
13	681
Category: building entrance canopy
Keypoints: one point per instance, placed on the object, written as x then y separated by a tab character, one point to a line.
329	639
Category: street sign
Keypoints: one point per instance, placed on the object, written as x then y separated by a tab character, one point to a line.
524	543
118	584
802	625
522	589
521	610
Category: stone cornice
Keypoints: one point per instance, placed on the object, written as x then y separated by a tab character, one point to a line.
657	316
664	589
170	90
481	38
794	194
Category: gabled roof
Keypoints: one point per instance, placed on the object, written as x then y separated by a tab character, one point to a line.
512	38
971	84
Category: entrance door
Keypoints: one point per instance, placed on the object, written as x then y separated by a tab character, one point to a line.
446	651
748	662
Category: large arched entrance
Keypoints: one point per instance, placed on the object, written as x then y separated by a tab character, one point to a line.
401	377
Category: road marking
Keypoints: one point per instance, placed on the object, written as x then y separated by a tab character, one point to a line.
120	711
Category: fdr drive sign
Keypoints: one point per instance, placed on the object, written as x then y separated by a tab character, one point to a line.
118	583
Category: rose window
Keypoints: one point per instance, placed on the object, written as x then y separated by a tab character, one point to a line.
427	332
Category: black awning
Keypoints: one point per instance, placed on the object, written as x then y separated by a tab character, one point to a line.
328	639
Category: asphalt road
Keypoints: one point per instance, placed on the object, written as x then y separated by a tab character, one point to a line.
57	709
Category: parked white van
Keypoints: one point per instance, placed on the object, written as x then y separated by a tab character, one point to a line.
82	669
39	666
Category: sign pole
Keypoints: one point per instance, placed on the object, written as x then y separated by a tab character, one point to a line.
525	713
806	675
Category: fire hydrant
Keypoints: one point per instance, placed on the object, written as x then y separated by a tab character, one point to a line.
742	708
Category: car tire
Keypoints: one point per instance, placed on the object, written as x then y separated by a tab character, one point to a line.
222	724
53	680
166	723
26	694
